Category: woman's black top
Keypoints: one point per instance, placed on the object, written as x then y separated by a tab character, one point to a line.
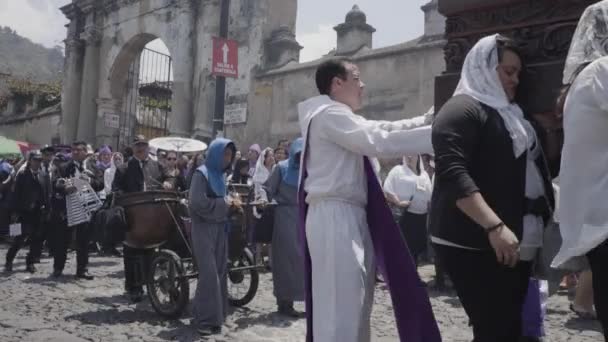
474	153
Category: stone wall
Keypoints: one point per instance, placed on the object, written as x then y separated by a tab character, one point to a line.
399	82
38	128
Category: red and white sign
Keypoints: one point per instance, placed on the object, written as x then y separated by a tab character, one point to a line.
225	57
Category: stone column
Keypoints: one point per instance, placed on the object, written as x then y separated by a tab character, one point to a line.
207	25
105	134
90	83
72	81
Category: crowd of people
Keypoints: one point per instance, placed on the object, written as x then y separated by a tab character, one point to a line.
477	184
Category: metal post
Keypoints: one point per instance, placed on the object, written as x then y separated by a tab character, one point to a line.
220	83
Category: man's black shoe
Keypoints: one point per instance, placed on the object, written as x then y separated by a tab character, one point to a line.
84	276
30	268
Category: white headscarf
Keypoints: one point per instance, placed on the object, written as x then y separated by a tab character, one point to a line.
261	173
109	173
590	40
480	80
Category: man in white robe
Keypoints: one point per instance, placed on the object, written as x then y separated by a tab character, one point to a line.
339	241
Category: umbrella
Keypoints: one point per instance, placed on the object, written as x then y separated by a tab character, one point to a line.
178	144
9	148
25	146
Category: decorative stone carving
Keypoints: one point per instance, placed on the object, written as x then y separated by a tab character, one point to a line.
544	29
282	48
91	35
354	33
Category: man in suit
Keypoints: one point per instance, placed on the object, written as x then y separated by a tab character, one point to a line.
30	202
75	168
139	174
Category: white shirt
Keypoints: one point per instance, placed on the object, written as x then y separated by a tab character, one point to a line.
338	141
408	186
533	227
584	178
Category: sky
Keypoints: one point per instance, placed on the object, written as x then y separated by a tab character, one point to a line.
396	21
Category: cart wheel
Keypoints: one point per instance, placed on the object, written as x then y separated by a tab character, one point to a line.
243	284
168	288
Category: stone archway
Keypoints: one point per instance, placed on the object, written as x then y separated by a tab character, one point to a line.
140	88
105	35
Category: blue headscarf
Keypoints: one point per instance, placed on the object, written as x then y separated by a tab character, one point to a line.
213	168
290	168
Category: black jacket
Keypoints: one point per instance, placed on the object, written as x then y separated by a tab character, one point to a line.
30	195
129	177
474	153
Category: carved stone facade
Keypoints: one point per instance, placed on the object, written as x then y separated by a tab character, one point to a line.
544	28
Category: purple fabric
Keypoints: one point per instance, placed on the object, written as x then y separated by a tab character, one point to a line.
533	315
105	149
411	304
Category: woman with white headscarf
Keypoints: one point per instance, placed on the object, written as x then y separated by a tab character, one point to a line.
265	218
109	173
584	190
492	195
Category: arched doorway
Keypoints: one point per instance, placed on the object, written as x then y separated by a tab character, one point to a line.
148	94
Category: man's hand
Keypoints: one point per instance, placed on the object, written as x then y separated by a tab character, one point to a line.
505	245
167	186
405	204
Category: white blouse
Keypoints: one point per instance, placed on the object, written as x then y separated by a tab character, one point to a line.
408	186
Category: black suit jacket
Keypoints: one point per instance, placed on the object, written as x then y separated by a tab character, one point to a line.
129	177
29	192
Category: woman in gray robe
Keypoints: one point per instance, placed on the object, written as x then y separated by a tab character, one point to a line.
209	210
287	256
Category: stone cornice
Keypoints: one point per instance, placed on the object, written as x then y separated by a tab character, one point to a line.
70	11
284	38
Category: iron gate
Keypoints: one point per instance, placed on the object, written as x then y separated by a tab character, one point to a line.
147	97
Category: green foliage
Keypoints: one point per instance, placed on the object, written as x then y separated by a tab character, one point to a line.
152	103
25	90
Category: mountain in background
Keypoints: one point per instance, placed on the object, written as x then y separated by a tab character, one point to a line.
21	58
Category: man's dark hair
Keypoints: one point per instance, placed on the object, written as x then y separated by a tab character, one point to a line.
79	143
335	67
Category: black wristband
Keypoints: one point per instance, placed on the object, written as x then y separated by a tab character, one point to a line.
493	228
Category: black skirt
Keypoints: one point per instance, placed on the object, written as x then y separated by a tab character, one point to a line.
264	226
413	229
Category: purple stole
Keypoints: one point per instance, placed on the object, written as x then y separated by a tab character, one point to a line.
411	304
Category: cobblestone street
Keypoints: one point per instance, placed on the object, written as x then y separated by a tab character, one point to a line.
39	308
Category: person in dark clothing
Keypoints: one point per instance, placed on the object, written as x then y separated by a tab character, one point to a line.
139	174
172	169
45	173
492	195
241	173
6	185
30	203
75	168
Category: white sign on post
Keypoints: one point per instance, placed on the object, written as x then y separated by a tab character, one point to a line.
235	113
111	120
